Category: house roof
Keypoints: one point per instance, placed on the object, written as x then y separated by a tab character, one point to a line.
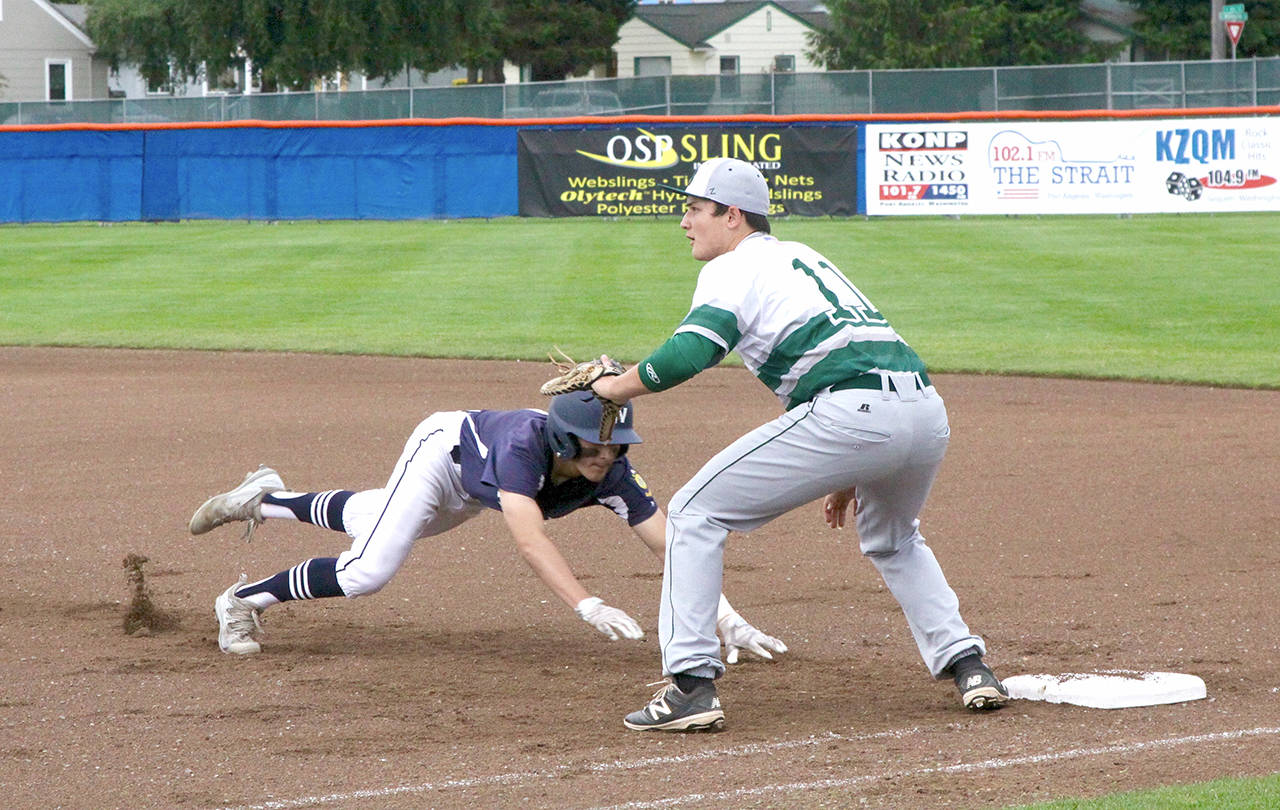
692	24
1118	15
69	15
75	12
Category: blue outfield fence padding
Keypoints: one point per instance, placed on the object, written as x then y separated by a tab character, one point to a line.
71	175
258	172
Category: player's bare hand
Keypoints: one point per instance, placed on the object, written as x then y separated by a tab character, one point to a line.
608	620
738	635
835	507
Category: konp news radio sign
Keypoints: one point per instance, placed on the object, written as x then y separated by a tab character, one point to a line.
1074	167
616	171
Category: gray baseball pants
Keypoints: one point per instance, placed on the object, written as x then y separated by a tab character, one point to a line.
888	445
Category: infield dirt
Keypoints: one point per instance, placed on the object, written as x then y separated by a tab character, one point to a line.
1086	526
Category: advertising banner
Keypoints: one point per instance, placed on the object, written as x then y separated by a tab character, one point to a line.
1074	167
615	171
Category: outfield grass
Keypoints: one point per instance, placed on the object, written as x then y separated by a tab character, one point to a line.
1176	298
1220	794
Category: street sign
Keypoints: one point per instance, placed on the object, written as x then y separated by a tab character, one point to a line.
1233	13
1233	18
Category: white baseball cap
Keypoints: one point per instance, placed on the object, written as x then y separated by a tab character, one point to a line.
730	181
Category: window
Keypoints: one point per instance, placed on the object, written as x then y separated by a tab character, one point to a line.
161	89
653	66
165	87
228	81
729	82
784	63
57	79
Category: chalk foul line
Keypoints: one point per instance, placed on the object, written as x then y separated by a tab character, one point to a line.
966	767
751	749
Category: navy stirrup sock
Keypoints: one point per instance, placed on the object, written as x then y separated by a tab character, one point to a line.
320	508
314	579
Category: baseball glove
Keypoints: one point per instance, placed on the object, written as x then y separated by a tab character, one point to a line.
579	377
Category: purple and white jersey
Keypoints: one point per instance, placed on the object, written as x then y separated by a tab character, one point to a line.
509	451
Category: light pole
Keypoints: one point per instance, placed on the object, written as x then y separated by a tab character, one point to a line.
1217	34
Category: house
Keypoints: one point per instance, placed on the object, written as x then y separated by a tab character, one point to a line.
732	37
45	54
1111	22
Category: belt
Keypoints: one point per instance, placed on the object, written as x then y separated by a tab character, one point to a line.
872	382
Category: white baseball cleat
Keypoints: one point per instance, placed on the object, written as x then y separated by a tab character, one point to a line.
237	621
242	503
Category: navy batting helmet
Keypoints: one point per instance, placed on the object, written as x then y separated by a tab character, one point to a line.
576	416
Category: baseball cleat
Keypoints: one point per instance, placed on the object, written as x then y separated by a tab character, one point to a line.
242	503
237	621
980	689
673	710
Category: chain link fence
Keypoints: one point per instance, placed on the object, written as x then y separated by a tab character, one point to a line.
1109	86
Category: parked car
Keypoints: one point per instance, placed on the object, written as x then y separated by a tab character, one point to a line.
568	101
54	113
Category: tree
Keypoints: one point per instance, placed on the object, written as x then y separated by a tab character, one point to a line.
295	42
429	35
292	42
1042	33
871	34
144	33
558	38
1180	29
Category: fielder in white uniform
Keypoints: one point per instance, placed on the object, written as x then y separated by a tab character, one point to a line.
863	426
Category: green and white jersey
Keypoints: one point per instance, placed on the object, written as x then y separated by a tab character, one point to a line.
797	323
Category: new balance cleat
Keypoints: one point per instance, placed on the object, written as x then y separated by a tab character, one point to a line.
238	621
242	503
673	710
980	689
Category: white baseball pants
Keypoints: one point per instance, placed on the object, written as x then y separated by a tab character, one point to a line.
423	497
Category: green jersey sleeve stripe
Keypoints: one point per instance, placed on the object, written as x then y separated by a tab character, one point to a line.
703	332
722	322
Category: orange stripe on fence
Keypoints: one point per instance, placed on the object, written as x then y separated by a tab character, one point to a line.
1007	115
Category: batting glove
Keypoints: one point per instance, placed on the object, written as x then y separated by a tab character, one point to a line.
738	635
608	620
